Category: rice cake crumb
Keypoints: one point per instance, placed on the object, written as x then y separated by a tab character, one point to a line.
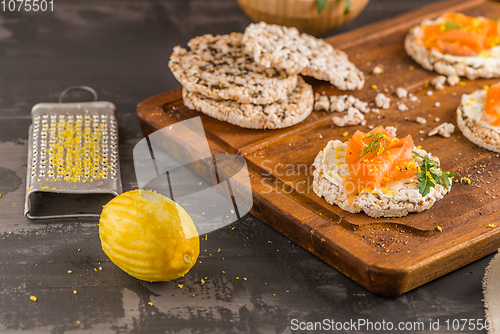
421	120
382	101
401	92
402	107
445	130
453	79
353	117
378	70
438	82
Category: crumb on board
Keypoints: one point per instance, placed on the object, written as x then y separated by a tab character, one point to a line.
378	70
420	120
402	107
439	229
438	82
382	101
492	226
445	130
401	92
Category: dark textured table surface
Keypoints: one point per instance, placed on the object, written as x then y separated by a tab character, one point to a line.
121	49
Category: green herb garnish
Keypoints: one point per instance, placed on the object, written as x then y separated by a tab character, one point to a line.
450	25
322	4
427	178
376	146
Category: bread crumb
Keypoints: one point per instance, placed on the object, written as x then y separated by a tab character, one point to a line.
492	226
33	298
437	104
429	93
439	229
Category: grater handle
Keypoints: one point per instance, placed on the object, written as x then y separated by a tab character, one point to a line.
70	89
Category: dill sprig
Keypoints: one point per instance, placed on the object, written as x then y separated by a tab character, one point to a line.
376	146
450	25
427	178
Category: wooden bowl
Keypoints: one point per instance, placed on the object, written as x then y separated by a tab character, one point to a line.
303	14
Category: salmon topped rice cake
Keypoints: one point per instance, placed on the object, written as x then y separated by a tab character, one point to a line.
456	44
380	174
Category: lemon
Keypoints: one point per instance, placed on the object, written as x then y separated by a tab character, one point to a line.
149	236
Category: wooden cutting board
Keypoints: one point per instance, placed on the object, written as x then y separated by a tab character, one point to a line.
386	256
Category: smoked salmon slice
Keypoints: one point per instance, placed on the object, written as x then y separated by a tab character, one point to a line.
461	35
492	105
375	159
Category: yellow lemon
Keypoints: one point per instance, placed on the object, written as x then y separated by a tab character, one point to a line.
149	236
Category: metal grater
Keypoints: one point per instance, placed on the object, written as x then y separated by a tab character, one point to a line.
73	166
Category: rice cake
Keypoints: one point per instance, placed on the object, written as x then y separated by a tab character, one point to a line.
284	113
285	48
219	68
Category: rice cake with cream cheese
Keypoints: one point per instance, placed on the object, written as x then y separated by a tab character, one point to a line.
395	199
472	124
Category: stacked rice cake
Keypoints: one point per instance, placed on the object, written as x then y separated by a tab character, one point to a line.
221	77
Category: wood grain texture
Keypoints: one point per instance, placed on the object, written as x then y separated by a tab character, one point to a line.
386	256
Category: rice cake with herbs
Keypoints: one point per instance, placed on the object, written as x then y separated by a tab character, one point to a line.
287	49
394	198
284	113
219	68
